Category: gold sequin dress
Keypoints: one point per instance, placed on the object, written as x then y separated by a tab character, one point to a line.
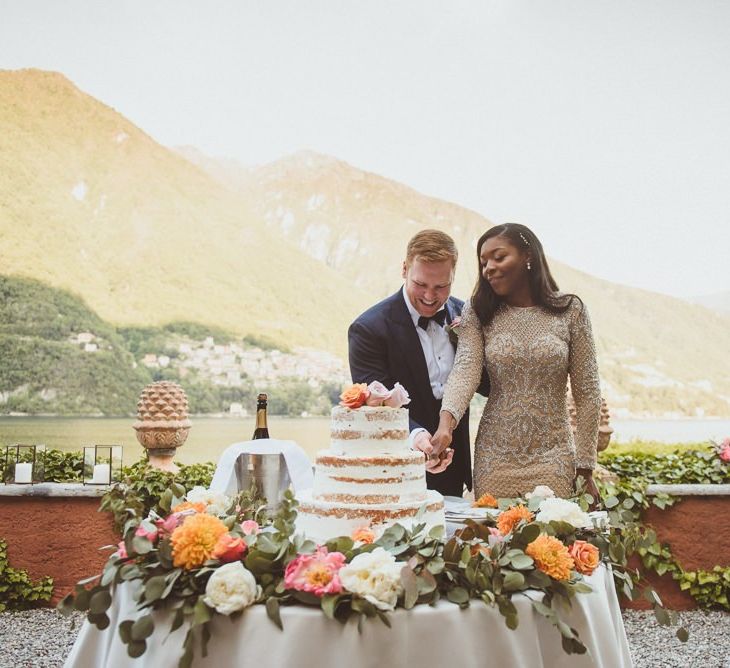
524	438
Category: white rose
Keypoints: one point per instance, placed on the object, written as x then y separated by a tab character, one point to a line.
562	510
543	491
217	503
231	587
375	576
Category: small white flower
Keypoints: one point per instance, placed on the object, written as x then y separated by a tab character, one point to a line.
232	587
543	491
217	503
562	510
375	576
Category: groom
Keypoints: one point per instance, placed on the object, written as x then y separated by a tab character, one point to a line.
402	339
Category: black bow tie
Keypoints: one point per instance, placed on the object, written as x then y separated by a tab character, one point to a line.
440	317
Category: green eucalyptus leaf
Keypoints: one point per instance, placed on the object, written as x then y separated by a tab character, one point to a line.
136	648
142	628
458	595
410	587
125	631
513	581
100	601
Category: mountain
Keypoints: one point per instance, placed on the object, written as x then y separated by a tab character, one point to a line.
653	349
292	250
90	203
718	301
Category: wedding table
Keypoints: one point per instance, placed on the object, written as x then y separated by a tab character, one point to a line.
424	637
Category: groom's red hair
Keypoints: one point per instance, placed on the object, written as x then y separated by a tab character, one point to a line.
431	246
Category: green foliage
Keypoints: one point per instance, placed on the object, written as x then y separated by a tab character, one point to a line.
144	486
708	588
628	498
64	466
700	466
17	590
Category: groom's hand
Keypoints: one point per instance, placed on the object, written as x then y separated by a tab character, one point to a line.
422	442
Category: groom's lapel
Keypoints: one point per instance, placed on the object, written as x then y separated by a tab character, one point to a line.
450	315
410	346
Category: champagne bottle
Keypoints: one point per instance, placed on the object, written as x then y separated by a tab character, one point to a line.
262	428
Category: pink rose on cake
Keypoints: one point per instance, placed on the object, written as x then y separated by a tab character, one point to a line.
378	394
398	397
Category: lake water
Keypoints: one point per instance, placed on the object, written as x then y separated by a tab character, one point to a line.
210	436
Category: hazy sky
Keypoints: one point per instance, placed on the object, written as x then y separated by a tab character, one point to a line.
603	125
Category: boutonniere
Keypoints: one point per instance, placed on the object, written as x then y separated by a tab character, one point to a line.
452	329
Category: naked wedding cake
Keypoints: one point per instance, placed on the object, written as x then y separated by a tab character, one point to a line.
368	477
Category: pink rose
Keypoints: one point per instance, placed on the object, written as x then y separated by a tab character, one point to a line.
495	536
725	453
121	551
317	573
398	397
250	527
170	523
150	535
229	548
378	394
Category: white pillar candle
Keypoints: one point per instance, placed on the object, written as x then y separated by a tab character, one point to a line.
101	474
23	472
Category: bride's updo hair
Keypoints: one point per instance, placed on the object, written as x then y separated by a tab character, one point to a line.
543	288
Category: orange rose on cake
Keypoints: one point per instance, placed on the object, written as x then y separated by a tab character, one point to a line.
354	396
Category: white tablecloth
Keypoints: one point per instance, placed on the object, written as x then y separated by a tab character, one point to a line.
424	637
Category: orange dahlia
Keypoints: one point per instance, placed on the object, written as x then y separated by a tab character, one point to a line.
510	517
485	501
194	541
551	557
198	507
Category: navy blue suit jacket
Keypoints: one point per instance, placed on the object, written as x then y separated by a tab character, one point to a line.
384	346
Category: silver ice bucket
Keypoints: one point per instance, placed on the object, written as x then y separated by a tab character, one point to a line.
268	473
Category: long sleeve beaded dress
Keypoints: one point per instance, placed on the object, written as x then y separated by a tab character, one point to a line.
524	437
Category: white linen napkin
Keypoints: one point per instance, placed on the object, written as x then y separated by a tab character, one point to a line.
300	468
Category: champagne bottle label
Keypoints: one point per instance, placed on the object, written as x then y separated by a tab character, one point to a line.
262	428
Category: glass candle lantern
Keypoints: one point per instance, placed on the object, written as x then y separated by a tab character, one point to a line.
24	464
102	464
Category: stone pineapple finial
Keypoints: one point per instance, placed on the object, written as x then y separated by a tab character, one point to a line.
162	423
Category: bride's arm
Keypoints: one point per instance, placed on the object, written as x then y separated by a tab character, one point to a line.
463	379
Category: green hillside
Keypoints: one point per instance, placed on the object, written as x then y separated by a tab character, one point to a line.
90	203
46	370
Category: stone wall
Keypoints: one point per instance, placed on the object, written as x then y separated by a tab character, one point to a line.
58	536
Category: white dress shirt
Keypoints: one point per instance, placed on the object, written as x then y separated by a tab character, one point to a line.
437	351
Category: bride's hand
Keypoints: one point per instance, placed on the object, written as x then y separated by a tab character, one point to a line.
443	436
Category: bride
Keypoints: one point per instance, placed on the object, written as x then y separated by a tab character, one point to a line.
532	338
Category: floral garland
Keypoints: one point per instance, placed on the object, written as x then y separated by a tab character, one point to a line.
210	555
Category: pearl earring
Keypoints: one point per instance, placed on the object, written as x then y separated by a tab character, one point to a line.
529	266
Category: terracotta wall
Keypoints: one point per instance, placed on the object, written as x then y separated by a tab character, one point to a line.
697	529
56	536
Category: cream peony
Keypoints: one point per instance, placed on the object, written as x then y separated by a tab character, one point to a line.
375	576
543	491
562	510
231	587
378	394
216	502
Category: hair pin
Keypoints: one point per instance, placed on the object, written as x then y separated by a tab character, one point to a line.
522	236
